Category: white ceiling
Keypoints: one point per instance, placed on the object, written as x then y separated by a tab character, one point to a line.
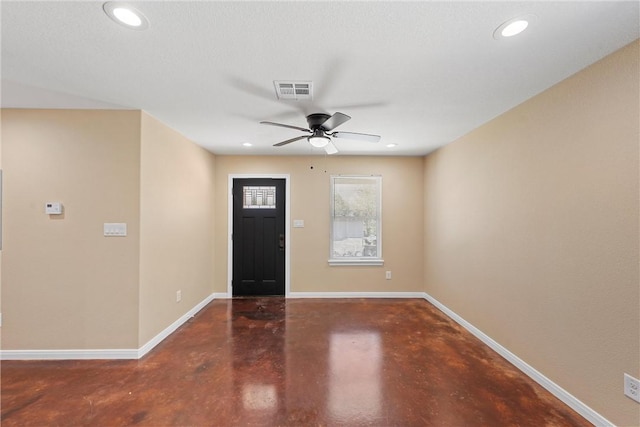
420	74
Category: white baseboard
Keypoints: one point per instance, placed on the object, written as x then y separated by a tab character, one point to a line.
355	295
175	325
221	295
106	353
566	397
342	295
68	354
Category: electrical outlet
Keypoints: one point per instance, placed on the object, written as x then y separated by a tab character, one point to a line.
178	296
632	387
387	275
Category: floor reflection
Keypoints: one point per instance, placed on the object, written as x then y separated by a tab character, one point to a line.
259	396
355	361
257	333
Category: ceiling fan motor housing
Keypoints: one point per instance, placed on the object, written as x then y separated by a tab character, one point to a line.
316	120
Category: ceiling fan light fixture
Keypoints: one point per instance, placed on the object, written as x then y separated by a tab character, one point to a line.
319	141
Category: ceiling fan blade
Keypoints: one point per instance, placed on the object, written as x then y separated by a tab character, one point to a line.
251	88
334	69
348	107
334	121
330	148
257	91
285	126
289	141
357	136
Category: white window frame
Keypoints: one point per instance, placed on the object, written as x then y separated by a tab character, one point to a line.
360	260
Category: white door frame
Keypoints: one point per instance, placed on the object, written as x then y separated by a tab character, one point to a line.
287	216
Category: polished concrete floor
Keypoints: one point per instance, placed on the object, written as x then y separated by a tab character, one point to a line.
276	362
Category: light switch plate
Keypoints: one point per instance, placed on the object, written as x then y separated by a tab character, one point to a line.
298	223
115	229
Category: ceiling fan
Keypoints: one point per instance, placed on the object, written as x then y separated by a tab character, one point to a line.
320	129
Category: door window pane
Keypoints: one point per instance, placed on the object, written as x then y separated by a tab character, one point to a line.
259	197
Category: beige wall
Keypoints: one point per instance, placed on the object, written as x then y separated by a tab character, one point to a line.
531	232
402	221
176	226
64	285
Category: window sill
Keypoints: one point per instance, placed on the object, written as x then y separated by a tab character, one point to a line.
338	262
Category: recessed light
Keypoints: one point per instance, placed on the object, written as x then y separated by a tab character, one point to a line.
126	15
513	27
391	145
247	144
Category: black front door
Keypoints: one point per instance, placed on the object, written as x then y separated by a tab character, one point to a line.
258	236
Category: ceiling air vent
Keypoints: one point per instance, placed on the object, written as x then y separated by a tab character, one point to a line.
293	90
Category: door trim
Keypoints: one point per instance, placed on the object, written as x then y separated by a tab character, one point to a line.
287	227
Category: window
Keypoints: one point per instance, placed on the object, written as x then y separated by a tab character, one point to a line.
356	220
